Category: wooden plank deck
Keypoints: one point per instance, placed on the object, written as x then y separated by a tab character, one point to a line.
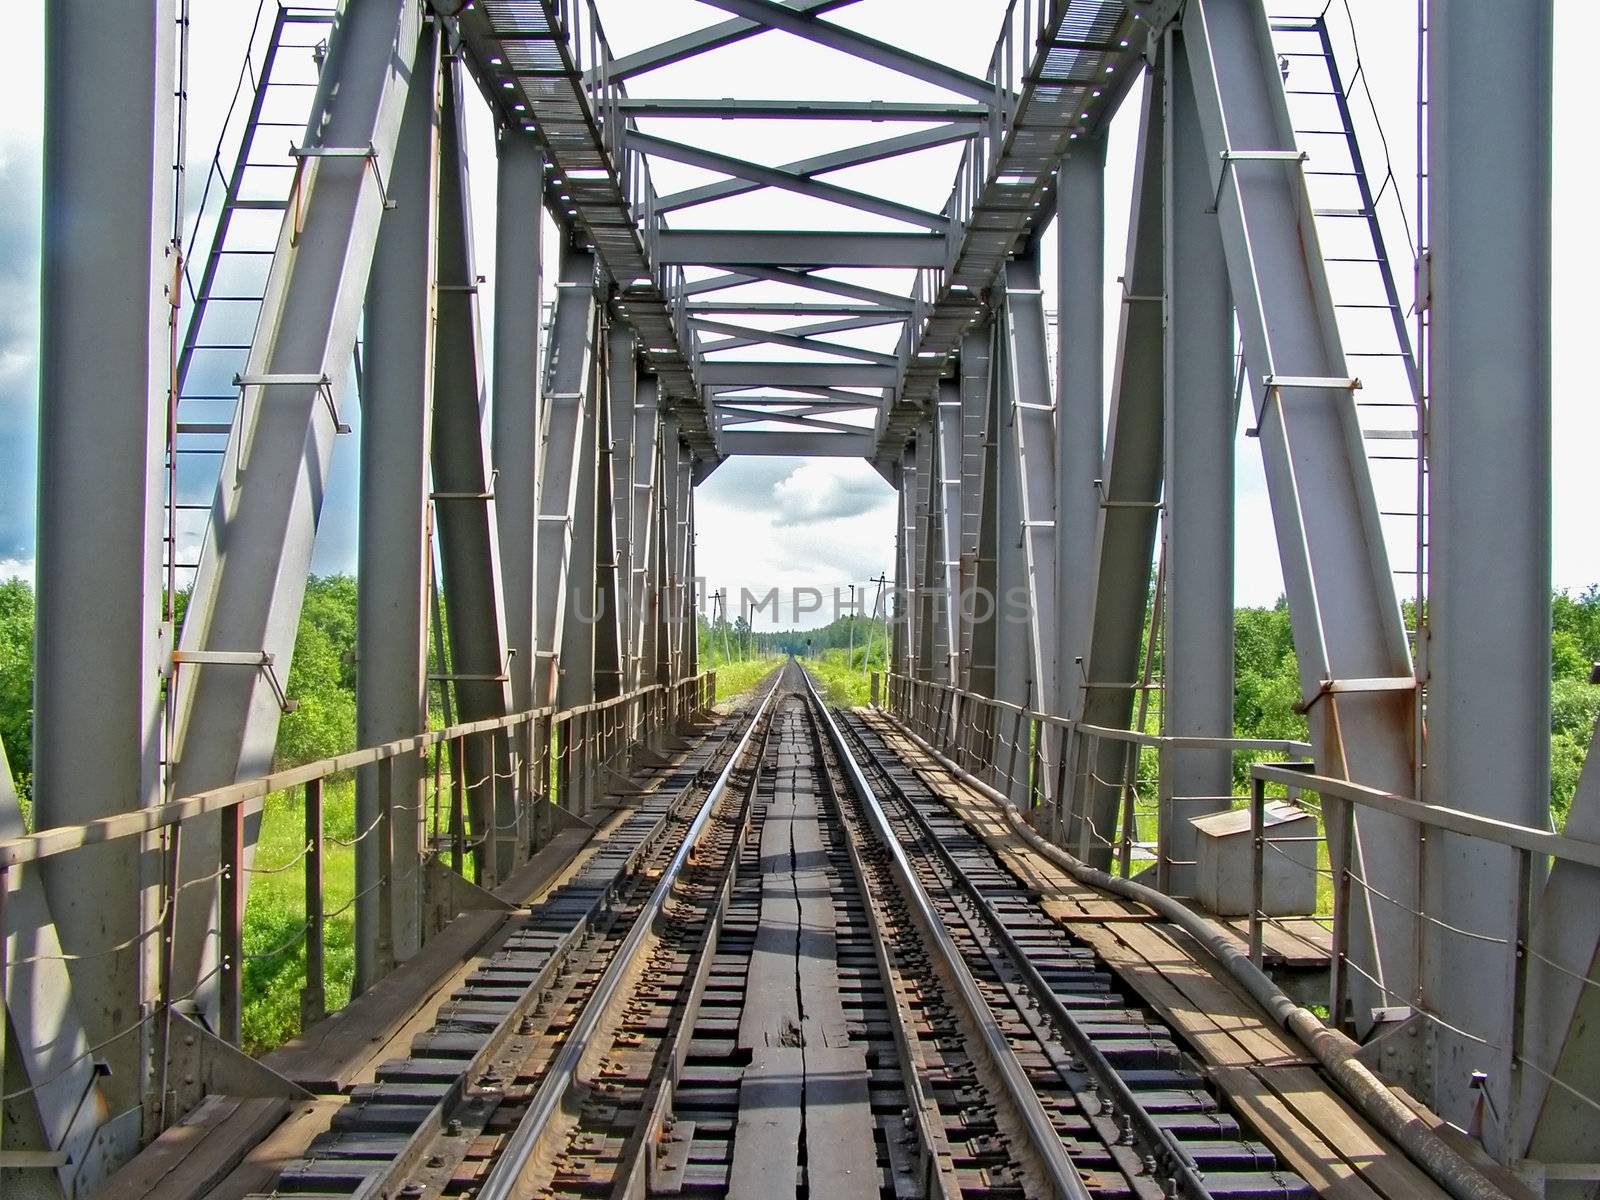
1270	1079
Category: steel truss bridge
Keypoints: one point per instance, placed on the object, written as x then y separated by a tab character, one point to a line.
610	941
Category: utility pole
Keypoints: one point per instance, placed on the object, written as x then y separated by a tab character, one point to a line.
852	657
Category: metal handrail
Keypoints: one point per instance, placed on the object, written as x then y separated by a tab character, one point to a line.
47	843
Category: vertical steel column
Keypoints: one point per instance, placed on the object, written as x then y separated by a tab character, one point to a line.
947	495
568	374
464	507
393	564
1488	619
674	518
906	565
691	625
926	573
109	277
518	337
1080	398
1127	498
1027	376
1012	677
622	396
978	530
644	498
580	620
1198	491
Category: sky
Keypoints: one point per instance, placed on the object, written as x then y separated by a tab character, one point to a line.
827	523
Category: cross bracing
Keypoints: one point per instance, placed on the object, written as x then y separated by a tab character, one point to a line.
527	529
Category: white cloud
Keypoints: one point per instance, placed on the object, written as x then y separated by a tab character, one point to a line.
829	489
16	568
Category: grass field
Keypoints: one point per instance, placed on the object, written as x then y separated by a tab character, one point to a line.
738	677
275	913
843	681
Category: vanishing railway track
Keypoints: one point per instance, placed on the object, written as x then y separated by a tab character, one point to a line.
804	976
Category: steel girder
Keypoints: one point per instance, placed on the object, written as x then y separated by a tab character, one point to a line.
1080	399
1487	650
622	397
678	584
109	282
531	60
1342	605
1128	501
1026	376
924	555
518	343
251	579
610	531
644	498
394	556
976	667
1051	84
1197	519
469	546
1013	649
947	498
571	375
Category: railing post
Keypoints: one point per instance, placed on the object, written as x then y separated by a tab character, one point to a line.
458	804
1258	842
232	922
384	832
489	851
564	766
1341	907
314	994
523	788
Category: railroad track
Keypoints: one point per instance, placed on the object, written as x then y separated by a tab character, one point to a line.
808	978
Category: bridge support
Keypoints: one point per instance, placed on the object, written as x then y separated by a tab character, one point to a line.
1197	494
1488	621
1355	666
251	581
394	559
469	549
1127	495
1080	399
109	283
518	341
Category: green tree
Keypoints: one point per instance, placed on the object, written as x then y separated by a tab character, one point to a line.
16	679
322	678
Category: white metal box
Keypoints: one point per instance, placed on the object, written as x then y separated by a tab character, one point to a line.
1288	878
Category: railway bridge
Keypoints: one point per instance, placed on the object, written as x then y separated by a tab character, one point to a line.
1033	922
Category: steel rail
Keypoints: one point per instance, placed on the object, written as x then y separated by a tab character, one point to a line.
416	1146
1057	1165
634	1173
1157	1139
505	1177
937	1184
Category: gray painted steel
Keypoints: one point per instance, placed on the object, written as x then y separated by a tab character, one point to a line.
1342	604
518	342
1128	496
469	549
103	371
394	560
1080	397
1488	620
1197	520
251	580
568	381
